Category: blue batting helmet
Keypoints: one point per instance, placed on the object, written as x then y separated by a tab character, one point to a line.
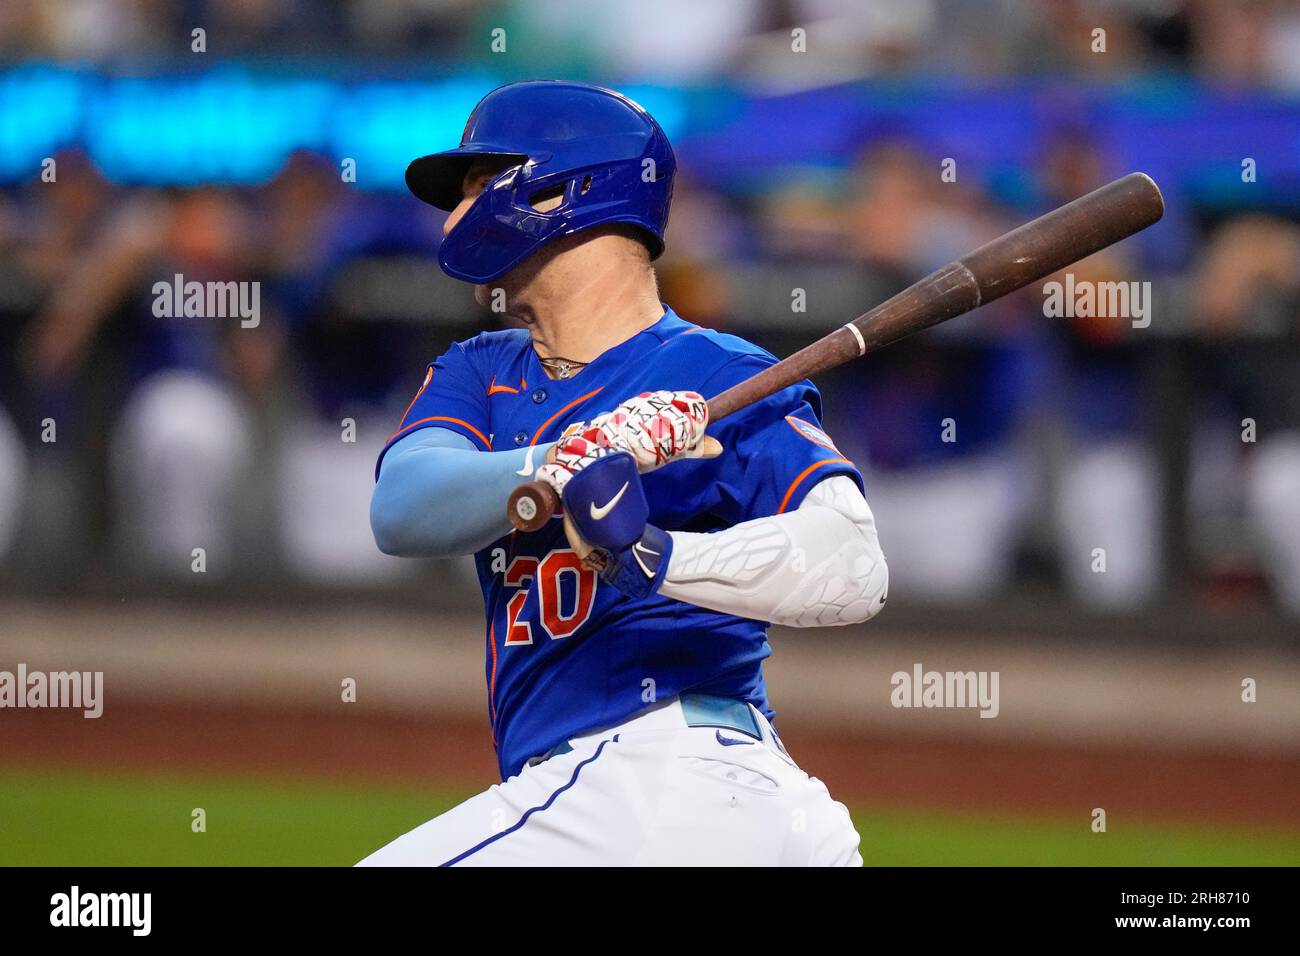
602	154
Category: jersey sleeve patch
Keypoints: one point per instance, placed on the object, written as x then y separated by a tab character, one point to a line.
811	432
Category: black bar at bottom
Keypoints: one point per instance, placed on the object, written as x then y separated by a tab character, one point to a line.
305	905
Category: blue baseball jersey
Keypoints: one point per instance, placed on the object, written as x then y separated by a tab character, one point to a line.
567	653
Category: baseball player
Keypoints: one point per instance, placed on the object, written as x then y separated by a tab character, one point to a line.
625	639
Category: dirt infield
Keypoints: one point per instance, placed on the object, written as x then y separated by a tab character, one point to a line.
1144	733
351	744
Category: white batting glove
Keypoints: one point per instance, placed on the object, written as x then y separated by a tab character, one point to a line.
654	427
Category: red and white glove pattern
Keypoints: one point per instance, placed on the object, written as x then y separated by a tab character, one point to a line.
655	427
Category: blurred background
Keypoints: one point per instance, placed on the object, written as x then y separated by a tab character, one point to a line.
1000	451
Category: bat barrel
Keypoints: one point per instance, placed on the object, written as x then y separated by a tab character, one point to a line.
1012	261
1065	235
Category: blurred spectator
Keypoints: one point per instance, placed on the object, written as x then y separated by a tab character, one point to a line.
86	29
678	40
210	451
1247	45
182	444
1239	44
1244	500
1106	484
705	234
48	228
937	422
332	424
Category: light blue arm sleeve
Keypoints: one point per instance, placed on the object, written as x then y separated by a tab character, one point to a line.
439	496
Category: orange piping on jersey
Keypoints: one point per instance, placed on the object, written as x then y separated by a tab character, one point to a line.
428	377
444	418
804	474
523	384
678	335
492	683
547	424
494	388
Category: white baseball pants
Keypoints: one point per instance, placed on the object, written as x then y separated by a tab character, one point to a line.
649	792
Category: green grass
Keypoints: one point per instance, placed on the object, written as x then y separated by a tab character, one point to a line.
86	819
891	838
80	819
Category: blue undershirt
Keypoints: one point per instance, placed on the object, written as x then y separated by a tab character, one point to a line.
422	472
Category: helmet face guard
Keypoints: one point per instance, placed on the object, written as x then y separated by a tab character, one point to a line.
602	155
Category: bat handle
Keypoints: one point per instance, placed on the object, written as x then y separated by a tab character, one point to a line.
531	505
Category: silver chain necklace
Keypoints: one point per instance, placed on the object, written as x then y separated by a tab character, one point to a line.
562	367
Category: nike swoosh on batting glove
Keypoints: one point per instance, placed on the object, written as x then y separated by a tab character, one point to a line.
607	505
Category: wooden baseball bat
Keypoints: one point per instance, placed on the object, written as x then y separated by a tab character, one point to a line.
1037	249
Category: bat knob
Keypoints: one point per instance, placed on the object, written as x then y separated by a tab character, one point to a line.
531	505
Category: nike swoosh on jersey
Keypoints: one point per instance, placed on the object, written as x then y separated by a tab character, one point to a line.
599	513
730	741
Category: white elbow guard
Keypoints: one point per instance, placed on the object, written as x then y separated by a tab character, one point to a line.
817	566
850	580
